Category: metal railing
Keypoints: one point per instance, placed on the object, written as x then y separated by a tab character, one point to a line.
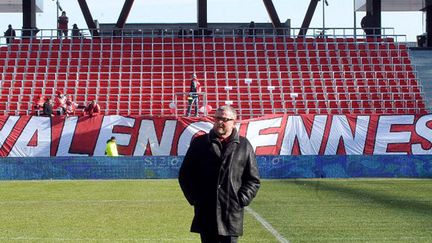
167	32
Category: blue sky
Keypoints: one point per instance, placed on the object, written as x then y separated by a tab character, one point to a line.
339	13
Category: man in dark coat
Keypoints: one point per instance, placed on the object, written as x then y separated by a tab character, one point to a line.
219	177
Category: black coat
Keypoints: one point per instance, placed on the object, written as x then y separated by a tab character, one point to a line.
219	181
47	109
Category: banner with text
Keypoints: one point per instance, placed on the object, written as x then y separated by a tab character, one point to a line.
35	136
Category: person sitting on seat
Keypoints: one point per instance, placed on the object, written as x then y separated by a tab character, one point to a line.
92	109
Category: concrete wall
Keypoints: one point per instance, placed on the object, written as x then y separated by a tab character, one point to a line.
422	61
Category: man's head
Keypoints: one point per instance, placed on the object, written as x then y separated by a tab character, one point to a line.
194	75
10	26
113	138
225	120
64	13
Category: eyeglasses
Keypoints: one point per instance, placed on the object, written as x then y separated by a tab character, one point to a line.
223	119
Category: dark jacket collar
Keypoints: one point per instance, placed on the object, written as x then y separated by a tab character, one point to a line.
234	137
228	148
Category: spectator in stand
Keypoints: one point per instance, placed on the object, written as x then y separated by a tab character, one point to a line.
366	25
76	33
60	103
63	21
92	109
195	89
252	28
38	104
70	106
111	147
9	34
47	107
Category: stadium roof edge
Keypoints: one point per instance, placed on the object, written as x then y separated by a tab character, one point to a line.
15	6
394	5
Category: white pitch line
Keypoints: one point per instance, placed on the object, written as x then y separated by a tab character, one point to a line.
267	225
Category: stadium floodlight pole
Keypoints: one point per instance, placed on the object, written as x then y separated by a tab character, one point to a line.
323	16
325	3
58	8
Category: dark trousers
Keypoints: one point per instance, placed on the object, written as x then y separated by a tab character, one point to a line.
62	32
210	238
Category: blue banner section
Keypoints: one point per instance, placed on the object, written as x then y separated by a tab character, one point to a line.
161	167
337	166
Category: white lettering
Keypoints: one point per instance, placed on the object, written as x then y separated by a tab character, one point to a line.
384	136
106	132
7	128
340	128
67	136
40	126
257	140
189	132
147	135
296	128
425	132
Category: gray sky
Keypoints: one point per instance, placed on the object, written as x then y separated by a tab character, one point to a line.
339	13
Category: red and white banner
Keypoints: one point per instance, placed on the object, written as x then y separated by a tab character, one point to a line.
22	136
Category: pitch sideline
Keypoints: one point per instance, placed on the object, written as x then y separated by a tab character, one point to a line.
267	225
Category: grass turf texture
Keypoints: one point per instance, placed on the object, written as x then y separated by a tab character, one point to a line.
360	210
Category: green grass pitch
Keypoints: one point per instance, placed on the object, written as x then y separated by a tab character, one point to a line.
325	210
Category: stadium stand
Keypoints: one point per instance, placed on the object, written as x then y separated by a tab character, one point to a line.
258	75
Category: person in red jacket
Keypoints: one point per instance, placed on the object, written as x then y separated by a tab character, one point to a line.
60	103
63	21
38	103
70	106
92	109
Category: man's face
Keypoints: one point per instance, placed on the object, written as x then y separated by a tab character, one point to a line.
224	124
